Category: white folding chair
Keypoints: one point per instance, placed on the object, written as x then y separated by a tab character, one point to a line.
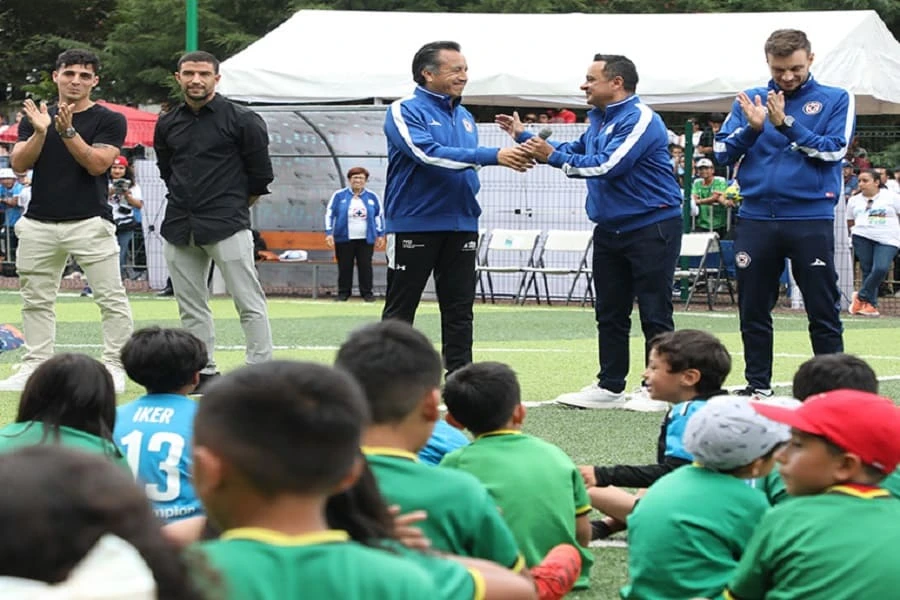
564	253
700	246
508	251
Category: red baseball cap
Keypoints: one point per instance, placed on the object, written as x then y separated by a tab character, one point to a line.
121	161
864	424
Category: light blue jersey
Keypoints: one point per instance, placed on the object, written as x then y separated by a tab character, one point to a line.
155	432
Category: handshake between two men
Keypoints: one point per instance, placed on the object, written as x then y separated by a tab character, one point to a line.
522	157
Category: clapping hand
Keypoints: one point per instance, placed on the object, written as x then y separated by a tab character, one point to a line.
38	117
63	119
775	104
754	110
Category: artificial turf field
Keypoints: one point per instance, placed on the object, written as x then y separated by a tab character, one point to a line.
553	350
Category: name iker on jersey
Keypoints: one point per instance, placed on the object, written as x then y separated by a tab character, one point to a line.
153	414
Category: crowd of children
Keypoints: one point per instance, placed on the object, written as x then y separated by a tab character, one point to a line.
300	480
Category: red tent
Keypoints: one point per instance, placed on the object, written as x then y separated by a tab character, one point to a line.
140	125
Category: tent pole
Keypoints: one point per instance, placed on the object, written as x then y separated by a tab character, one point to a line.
190	29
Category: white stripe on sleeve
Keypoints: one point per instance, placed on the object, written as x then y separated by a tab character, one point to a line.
402	128
619	153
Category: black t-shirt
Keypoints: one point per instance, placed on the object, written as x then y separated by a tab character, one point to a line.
61	189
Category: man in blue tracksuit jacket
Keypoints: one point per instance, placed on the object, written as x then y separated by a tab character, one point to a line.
431	210
635	201
792	136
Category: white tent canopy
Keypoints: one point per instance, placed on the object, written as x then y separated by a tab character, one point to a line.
691	62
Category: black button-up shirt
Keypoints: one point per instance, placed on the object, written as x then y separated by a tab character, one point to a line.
212	162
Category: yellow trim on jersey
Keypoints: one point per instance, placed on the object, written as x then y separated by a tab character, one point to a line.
728	595
276	538
385	451
480	585
518	565
849	490
579	512
499	432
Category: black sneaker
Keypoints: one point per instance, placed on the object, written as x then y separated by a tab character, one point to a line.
369	298
599	530
205	380
754	393
341	298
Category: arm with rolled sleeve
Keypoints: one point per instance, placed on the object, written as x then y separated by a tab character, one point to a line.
411	134
617	157
255	154
734	138
830	146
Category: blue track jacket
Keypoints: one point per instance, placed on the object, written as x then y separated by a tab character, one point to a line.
336	217
624	156
790	173
433	155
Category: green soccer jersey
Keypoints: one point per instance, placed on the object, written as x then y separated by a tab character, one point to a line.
688	532
537	487
463	519
31	433
772	485
451	579
892	483
260	564
714	214
839	545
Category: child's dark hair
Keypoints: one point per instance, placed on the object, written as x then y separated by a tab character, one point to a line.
163	360
827	372
482	396
289	427
694	349
361	511
56	503
395	364
70	390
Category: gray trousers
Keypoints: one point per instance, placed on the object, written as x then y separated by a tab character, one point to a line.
189	267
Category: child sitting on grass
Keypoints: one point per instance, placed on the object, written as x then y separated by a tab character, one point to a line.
400	373
822	373
155	430
685	368
69	400
536	485
272	442
837	538
687	533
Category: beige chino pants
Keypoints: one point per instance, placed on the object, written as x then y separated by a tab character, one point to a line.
43	250
189	269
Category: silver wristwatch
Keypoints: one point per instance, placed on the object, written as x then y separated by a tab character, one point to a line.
69	133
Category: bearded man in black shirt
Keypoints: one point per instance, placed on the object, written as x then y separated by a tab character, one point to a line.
214	157
70	146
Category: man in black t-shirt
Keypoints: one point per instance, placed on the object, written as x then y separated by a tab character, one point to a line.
70	146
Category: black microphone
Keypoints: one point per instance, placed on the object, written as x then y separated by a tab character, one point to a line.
545	133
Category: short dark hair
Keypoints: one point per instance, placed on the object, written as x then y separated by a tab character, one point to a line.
288	427
695	349
482	396
426	58
163	360
827	372
358	171
61	501
78	56
70	390
874	174
784	42
394	363
199	56
619	66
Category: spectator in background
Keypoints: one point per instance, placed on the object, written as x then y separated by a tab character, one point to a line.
708	202
676	159
125	198
851	182
873	219
543	118
792	135
893	183
562	115
10	211
707	139
530	118
354	227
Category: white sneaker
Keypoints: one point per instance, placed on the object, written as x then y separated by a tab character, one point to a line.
118	376
640	401
16	382
592	396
